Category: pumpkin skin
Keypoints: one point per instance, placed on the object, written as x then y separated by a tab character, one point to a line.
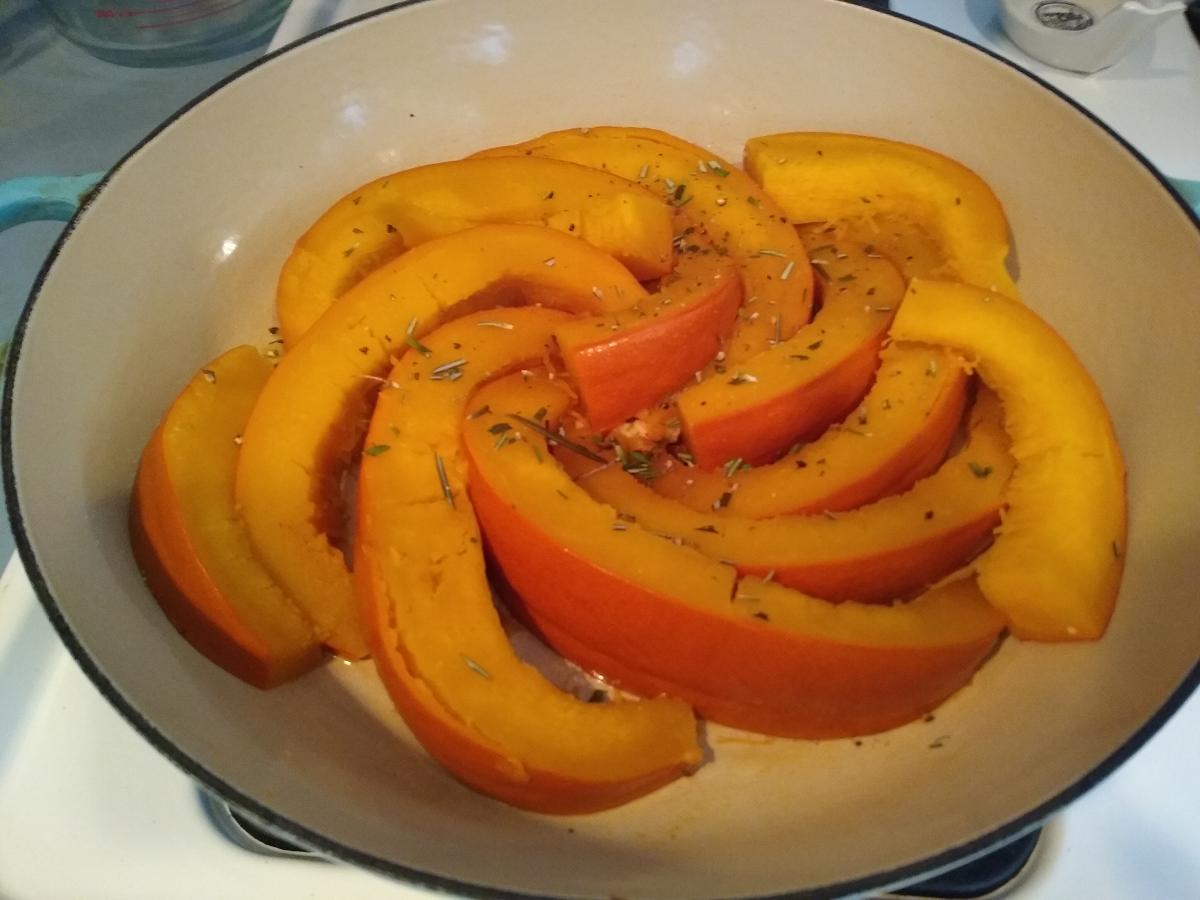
190	544
1055	568
623	364
434	633
720	203
811	669
793	390
306	424
378	221
780	663
930	213
897	435
889	549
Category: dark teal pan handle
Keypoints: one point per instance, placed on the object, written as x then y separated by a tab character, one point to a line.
1189	190
43	199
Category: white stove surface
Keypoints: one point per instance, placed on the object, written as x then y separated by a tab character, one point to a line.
89	810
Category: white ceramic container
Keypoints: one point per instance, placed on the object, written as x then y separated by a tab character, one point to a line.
1084	36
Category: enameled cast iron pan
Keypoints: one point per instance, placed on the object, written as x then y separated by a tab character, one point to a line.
174	259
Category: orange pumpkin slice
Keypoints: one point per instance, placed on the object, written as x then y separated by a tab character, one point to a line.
1055	568
624	363
378	221
716	200
776	661
655	615
308	420
899	197
888	549
898	434
639	562
190	543
755	410
434	633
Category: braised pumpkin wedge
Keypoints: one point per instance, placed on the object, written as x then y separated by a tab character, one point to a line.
378	221
776	661
434	633
888	549
624	363
509	459
897	435
190	543
1055	568
893	195
653	614
308	420
753	411
714	199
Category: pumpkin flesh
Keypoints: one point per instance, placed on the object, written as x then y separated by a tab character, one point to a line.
793	390
1055	567
190	542
378	221
435	634
891	194
778	663
888	549
897	435
308	420
720	203
626	363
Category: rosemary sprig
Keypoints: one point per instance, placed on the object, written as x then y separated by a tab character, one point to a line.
441	473
735	465
411	340
476	667
558	439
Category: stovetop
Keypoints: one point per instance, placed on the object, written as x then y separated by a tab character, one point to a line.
89	809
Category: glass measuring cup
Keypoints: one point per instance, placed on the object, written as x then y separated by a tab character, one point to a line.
165	32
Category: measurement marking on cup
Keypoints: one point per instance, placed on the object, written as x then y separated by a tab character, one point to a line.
109	13
200	15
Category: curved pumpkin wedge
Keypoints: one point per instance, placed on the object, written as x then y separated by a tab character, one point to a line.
434	632
776	661
906	245
589	533
307	422
889	549
1055	568
622	365
378	221
654	615
898	435
190	544
718	201
881	190
755	410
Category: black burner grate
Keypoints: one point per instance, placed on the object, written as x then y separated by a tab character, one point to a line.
975	880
